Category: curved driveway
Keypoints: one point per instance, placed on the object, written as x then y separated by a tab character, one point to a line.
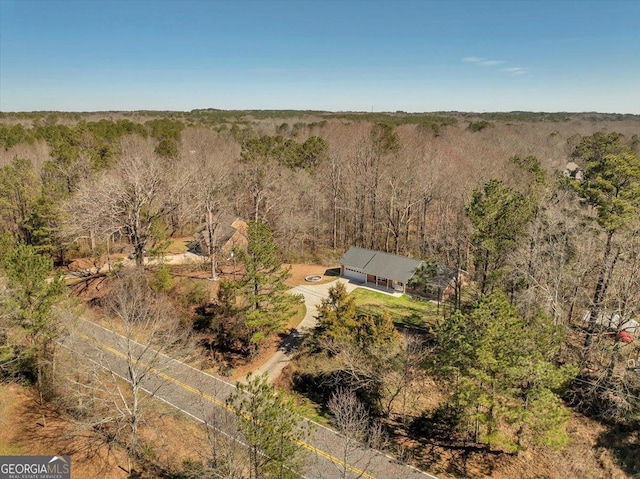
313	295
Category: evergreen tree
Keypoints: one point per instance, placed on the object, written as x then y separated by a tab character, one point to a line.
363	348
611	187
503	376
499	215
29	302
340	323
313	152
273	428
267	304
336	315
593	149
385	139
19	190
424	275
376	333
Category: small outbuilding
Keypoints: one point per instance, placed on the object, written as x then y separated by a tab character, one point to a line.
614	322
385	270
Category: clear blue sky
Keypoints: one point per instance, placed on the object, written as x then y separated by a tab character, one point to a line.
560	55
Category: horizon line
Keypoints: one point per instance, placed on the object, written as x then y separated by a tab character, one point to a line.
145	110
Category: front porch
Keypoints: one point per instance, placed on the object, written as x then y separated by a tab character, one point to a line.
385	283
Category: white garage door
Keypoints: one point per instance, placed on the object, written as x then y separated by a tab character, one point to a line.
354	274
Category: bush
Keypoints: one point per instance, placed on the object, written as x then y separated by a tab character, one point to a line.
163	280
479	125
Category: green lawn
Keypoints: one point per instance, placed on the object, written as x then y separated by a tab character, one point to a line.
177	246
403	310
296	319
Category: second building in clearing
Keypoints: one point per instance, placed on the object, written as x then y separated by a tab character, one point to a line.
385	270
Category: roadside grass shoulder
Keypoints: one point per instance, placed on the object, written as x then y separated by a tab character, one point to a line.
307	408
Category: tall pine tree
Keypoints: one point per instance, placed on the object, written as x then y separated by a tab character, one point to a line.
499	215
29	303
611	188
266	303
273	429
501	370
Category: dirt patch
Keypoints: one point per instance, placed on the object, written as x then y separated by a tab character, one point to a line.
300	271
267	350
83	264
29	428
37	430
90	289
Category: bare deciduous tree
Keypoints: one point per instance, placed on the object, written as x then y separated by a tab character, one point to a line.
398	381
131	199
360	434
225	455
207	198
547	262
119	380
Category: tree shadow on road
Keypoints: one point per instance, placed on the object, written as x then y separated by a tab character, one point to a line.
291	341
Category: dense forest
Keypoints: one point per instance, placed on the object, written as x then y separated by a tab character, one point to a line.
541	211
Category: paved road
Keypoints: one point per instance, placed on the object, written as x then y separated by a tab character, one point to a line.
203	396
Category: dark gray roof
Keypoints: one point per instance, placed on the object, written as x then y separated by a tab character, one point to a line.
383	265
357	257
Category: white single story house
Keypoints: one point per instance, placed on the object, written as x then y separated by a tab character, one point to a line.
385	270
